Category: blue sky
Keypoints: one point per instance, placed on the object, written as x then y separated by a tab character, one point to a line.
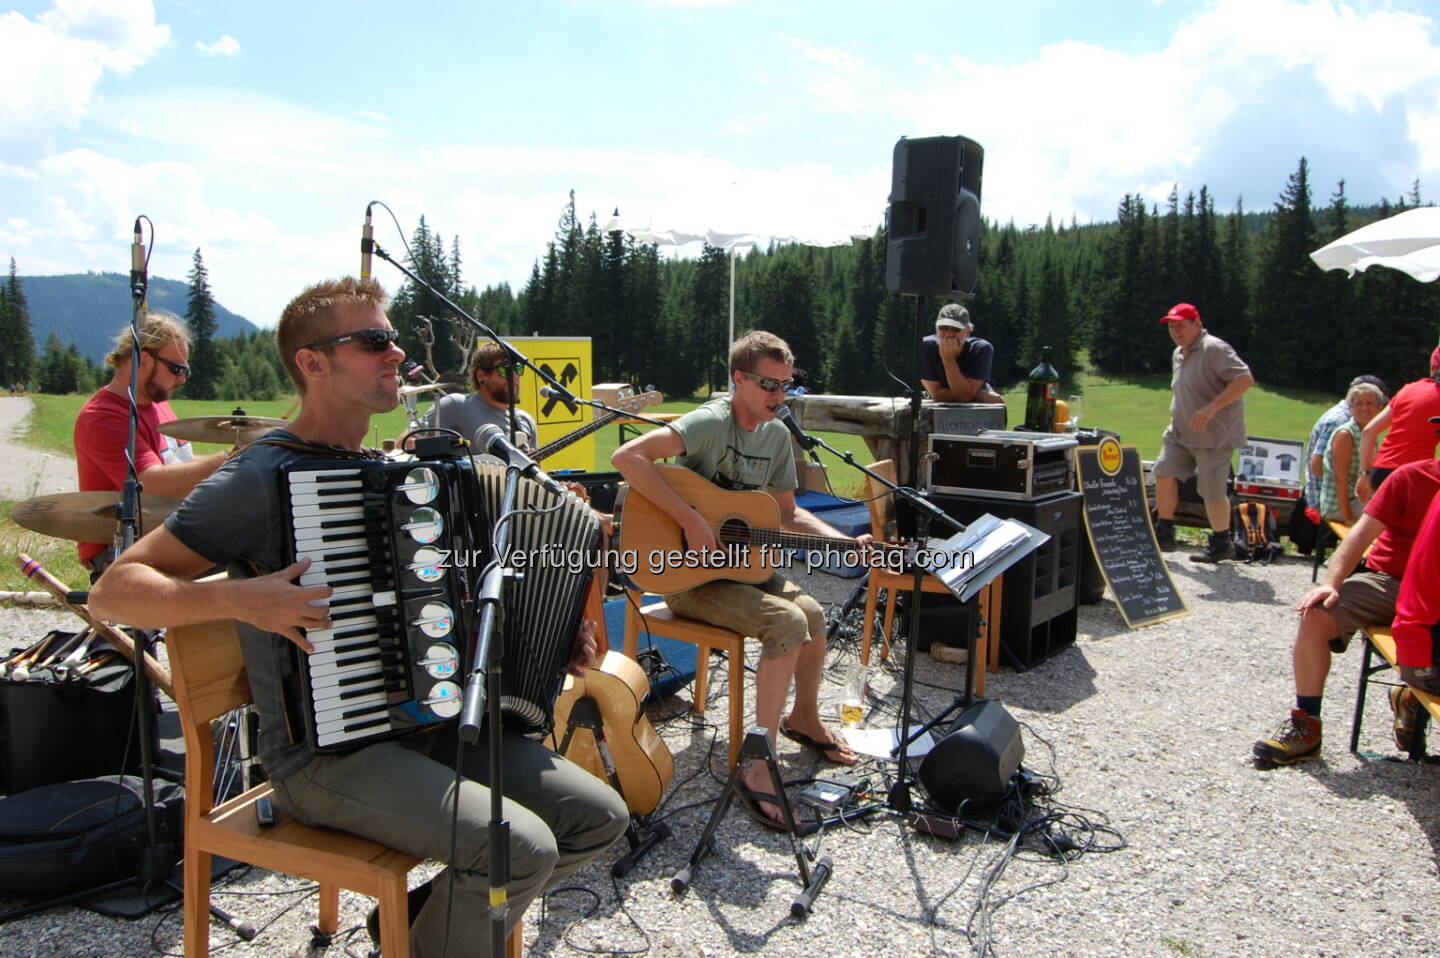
259	131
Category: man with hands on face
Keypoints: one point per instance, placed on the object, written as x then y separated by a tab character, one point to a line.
340	350
955	365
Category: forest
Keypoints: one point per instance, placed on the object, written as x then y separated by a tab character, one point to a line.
1092	292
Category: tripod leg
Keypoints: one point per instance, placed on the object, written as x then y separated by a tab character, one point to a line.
681	882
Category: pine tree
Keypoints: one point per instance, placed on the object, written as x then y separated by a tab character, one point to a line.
200	316
1287	295
17	344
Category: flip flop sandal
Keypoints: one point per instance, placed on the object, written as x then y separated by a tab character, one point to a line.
824	748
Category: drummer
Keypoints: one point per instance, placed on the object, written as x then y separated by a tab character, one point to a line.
497	388
165	466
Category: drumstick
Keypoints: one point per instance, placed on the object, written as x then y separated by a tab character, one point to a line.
35	570
102	659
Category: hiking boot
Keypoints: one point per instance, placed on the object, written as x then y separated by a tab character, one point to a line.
1402	703
1218	548
419	895
1297	741
1165	534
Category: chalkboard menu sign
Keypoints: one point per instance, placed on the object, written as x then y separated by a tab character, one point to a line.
1118	520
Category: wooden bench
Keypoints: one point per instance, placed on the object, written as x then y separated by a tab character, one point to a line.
1329	534
1378	637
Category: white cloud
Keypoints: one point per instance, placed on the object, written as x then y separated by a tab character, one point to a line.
49	66
1078	125
371	115
226	46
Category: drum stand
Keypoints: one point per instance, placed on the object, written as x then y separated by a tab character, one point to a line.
642	835
757	746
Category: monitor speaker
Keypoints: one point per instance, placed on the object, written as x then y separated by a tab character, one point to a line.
975	759
934	218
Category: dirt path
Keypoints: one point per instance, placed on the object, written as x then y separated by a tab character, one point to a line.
24	470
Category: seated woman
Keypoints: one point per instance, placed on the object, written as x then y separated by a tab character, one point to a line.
1338	501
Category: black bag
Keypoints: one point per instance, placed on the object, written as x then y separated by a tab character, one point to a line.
1255	533
1302	531
57	839
57	731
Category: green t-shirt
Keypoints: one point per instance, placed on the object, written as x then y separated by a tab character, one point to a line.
717	449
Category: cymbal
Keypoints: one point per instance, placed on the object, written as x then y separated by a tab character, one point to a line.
225	430
422	388
86	516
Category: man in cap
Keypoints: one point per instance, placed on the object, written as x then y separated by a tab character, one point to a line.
954	365
1207	424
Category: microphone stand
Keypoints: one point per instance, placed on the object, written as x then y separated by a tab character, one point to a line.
899	798
157	858
483	691
484	687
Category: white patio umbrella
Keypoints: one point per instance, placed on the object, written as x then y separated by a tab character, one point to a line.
1408	241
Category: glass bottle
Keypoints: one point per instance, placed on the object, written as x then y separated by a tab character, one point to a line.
1040	400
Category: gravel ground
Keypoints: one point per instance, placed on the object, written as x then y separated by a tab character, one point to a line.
1148	731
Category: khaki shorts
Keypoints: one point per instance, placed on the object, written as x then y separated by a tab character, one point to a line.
1210	467
1366	598
777	612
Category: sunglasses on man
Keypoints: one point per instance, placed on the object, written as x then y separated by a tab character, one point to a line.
508	369
766	383
370	340
178	370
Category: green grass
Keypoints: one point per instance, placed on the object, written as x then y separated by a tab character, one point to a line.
1138	409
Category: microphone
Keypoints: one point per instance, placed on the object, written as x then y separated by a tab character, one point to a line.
491	439
138	282
367	245
550	392
807	443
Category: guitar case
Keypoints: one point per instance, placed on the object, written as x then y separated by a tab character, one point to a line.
70	836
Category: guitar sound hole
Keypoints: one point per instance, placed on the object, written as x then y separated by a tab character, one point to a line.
734	530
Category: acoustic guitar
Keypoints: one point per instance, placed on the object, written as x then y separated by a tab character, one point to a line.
618	685
746	525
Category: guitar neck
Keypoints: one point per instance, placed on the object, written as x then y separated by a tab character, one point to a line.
550	448
780	538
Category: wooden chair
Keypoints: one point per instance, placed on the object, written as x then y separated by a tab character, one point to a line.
882	526
658	619
209	679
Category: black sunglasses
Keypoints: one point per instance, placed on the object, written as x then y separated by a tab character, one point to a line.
178	370
766	383
371	340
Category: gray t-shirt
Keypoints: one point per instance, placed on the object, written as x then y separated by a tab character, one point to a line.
466	413
235	519
719	450
1195	379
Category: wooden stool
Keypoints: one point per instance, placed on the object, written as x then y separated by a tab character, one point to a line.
658	619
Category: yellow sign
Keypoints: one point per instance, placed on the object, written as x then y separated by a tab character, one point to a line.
1108	454
568	361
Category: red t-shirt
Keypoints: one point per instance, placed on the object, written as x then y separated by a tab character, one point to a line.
1412	435
1400	503
1417	607
101	431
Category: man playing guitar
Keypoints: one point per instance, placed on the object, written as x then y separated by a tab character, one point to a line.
735	442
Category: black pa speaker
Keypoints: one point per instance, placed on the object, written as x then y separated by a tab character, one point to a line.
934	218
975	759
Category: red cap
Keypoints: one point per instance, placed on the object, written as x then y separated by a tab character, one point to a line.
1179	313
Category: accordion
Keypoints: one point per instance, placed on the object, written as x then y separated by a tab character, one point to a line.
404	545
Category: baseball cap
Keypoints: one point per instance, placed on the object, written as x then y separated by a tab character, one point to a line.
1179	313
953	316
